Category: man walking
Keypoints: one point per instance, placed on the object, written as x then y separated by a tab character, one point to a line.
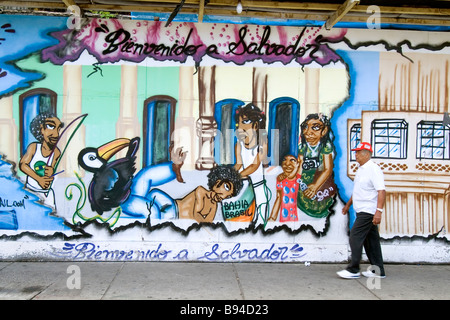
368	200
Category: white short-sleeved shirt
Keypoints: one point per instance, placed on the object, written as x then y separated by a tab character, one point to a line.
369	179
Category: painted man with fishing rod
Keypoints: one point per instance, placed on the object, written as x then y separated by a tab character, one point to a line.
39	161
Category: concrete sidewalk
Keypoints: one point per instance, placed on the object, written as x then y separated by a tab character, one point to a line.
214	281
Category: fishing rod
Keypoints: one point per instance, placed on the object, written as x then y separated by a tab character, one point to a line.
82	117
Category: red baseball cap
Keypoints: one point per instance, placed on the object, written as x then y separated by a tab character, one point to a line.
363	146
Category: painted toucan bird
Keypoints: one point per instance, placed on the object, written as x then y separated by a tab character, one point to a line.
110	185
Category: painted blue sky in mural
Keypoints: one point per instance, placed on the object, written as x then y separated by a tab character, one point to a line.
15	45
20	209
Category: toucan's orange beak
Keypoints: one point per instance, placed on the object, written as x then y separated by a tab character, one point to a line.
109	149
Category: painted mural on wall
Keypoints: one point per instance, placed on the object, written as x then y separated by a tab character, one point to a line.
244	128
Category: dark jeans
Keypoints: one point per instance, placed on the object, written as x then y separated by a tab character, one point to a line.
365	233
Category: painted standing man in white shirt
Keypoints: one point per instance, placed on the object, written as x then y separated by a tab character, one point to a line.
250	151
368	199
39	160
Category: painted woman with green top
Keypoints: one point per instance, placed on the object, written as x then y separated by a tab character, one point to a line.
316	152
